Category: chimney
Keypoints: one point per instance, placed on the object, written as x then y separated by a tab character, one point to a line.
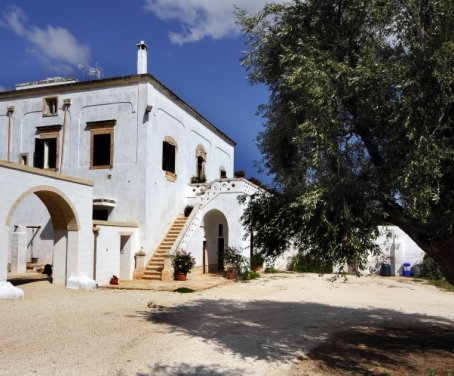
142	58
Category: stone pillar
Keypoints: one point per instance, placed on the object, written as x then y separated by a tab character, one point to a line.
167	271
19	250
4	230
140	264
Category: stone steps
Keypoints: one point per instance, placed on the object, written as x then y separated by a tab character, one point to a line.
156	264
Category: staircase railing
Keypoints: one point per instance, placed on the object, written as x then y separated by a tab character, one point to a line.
188	229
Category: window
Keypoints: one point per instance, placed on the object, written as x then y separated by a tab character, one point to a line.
47	147
168	156
201	156
101	144
50	106
223	174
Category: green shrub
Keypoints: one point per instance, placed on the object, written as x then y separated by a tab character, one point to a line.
430	269
250	274
198	179
271	269
308	263
257	260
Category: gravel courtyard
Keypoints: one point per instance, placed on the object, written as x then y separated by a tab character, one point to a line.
279	324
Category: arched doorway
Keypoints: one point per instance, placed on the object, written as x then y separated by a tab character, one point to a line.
216	239
65	227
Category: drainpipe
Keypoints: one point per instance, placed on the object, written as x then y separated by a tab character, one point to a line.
10	130
66	104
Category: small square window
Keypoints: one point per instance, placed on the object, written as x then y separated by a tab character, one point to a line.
50	106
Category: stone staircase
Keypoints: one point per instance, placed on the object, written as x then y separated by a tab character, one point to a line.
156	264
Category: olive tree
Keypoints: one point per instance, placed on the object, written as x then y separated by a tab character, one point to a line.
358	128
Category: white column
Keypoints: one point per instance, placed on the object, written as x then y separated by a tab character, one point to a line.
4	230
19	250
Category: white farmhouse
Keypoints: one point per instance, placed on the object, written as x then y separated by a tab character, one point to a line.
93	172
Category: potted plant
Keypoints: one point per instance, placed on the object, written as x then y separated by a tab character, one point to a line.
257	262
240	174
232	262
182	263
198	179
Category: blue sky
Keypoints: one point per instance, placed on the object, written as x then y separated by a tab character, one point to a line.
194	49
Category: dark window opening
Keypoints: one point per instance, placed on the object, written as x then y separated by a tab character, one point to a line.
101	150
45	155
168	157
100	214
223	174
200	167
50	107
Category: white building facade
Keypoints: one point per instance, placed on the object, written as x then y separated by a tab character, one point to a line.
134	146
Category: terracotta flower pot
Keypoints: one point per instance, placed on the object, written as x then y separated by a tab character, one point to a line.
258	268
181	276
230	275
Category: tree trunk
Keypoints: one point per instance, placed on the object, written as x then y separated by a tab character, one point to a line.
441	251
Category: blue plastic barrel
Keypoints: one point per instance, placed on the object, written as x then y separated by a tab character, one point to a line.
406	269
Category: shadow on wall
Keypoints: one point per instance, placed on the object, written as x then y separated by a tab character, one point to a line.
47	232
279	331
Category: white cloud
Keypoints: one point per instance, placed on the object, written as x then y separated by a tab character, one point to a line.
202	18
55	46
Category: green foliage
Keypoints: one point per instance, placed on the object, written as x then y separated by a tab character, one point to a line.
430	269
359	125
233	259
271	270
183	290
257	260
198	179
257	182
309	263
250	274
183	261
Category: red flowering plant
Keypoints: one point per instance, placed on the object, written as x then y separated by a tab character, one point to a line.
183	261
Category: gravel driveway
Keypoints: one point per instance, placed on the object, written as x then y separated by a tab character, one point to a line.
265	327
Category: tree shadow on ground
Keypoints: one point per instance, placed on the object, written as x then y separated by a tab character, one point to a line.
185	369
404	350
280	331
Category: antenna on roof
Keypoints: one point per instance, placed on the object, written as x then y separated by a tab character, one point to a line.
95	71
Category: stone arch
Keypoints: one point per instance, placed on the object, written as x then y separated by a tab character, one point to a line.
61	209
66	226
216	239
